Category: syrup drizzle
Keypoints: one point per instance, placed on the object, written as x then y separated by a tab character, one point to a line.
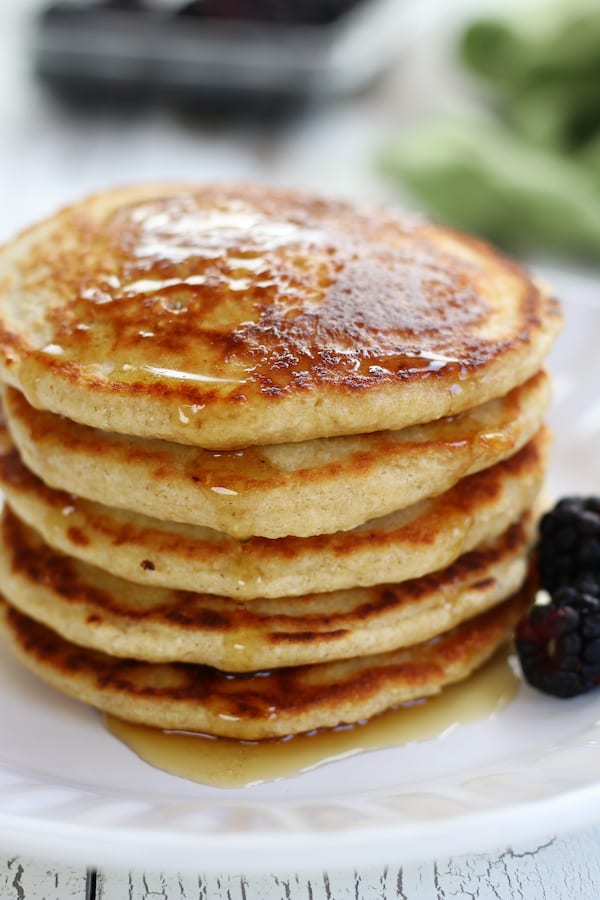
229	292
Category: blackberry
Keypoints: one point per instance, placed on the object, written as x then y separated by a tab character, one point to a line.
569	549
559	644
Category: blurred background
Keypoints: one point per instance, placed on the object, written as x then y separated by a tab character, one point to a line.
483	114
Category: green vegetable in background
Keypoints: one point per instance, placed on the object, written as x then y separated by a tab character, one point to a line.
476	175
530	177
546	74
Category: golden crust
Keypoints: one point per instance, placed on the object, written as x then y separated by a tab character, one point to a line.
94	609
280	489
406	544
225	316
266	704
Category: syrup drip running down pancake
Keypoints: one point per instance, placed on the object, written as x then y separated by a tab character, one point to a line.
408	544
280	489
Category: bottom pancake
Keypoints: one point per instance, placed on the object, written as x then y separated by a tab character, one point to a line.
261	704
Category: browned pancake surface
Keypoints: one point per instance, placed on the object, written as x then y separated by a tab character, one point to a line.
278	489
230	315
407	544
95	609
263	704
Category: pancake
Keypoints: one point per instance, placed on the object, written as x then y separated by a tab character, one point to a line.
94	609
278	489
227	316
423	538
264	704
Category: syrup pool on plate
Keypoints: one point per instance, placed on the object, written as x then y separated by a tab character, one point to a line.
226	763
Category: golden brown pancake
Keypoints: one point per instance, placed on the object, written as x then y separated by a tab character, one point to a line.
225	316
407	544
278	489
265	704
94	609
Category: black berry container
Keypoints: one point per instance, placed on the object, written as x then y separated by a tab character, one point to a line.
216	52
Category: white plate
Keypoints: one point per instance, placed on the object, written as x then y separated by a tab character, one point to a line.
69	791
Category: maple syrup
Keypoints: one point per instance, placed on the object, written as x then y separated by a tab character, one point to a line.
226	763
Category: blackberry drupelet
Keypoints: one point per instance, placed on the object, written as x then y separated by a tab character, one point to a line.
569	550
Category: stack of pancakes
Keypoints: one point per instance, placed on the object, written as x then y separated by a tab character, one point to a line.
271	462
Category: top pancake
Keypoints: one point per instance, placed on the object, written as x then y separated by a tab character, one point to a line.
226	316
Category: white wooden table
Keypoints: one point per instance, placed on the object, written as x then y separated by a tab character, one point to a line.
48	156
564	869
